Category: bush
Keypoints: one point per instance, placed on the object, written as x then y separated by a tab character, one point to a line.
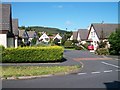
2	48
68	44
42	44
78	47
32	54
102	51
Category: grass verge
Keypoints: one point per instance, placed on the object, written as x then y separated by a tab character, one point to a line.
17	71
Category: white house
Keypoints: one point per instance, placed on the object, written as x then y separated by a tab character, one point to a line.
6	32
100	31
80	36
44	38
23	37
31	35
15	31
58	37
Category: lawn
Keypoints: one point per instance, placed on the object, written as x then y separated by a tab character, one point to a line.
16	71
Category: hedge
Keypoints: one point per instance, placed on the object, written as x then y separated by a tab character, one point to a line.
32	54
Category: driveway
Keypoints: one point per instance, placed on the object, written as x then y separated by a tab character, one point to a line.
98	72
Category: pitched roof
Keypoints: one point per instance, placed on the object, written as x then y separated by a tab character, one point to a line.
32	34
23	34
83	33
15	26
58	36
75	35
106	28
5	17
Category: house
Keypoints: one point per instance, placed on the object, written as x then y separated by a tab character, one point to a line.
32	35
23	37
6	32
58	37
44	38
80	36
15	31
100	31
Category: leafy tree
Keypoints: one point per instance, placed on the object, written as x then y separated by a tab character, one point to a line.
22	28
114	40
33	42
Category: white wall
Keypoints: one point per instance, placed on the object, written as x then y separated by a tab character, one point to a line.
94	37
3	40
10	42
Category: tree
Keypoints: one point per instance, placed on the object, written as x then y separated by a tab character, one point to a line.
114	40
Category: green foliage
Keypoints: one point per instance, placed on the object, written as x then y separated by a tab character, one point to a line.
68	44
33	42
2	48
56	41
65	37
114	40
32	54
78	47
45	29
102	51
42	44
102	44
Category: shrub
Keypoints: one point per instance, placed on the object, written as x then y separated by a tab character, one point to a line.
68	44
2	48
32	54
102	51
78	47
42	44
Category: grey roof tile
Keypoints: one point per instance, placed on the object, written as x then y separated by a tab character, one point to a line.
106	28
15	26
5	17
83	34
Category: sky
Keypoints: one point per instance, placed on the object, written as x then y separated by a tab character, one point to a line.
62	15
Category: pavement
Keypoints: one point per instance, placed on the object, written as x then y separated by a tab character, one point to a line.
97	72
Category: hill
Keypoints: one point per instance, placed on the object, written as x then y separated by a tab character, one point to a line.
41	29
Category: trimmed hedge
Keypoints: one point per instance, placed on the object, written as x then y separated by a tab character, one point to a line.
32	54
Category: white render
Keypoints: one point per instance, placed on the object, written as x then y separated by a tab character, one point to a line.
16	42
71	38
93	36
3	40
58	37
44	38
78	37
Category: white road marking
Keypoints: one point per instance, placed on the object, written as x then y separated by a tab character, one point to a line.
81	73
110	64
95	72
108	71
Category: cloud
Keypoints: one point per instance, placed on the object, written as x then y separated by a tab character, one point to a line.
68	22
59	6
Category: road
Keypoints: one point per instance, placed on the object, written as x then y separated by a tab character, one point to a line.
97	72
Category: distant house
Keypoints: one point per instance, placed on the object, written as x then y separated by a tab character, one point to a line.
80	36
100	31
6	32
23	37
44	38
15	30
31	35
58	37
